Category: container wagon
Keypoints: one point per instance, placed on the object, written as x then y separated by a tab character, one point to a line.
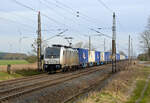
91	58
117	57
107	57
83	57
102	61
97	57
122	57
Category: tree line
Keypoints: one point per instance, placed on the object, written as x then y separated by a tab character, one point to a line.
145	42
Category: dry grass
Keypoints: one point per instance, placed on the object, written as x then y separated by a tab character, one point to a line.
15	67
119	89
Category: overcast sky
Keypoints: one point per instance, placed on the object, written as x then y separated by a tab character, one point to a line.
18	24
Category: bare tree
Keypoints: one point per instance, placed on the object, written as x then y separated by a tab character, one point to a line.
145	39
86	45
122	53
34	46
78	45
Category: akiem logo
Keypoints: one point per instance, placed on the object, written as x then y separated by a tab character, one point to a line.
98	56
84	56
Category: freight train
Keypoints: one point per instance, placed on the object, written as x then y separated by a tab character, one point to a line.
65	58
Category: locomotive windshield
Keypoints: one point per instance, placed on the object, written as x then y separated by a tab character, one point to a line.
52	53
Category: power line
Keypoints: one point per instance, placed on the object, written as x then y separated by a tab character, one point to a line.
16	16
85	17
52	9
16	22
34	10
72	9
108	8
46	1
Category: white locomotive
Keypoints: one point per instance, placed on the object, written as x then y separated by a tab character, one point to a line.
60	57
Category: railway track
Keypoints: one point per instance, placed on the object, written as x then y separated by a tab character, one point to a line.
9	82
96	87
7	94
84	93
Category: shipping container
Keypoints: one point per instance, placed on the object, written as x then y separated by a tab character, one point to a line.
91	57
97	57
126	57
102	58
122	57
117	56
107	57
83	57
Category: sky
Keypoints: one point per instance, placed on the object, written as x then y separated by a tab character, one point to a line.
18	22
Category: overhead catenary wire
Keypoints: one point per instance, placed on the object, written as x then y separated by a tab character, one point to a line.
50	9
56	12
73	11
72	20
13	21
16	17
66	6
34	10
104	5
71	8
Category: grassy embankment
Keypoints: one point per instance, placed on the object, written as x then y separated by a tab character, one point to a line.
126	87
6	62
18	74
140	84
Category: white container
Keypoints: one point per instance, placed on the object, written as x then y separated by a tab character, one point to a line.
91	56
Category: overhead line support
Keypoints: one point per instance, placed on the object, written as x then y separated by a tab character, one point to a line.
39	42
114	44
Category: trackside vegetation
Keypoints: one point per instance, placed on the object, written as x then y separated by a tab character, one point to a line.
6	62
140	84
18	74
126	87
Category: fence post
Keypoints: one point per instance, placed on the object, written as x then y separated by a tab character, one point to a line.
9	69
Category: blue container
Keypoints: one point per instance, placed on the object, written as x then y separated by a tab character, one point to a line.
126	57
117	56
97	57
83	57
107	56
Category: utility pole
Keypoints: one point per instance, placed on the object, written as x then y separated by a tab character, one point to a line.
39	41
114	44
104	45
129	50
89	43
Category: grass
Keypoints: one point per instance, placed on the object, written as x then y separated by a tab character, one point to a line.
140	84
6	62
130	85
137	92
18	74
146	97
6	76
27	72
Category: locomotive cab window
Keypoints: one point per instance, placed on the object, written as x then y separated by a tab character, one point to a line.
52	53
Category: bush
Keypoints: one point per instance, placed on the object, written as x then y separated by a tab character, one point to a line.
31	59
